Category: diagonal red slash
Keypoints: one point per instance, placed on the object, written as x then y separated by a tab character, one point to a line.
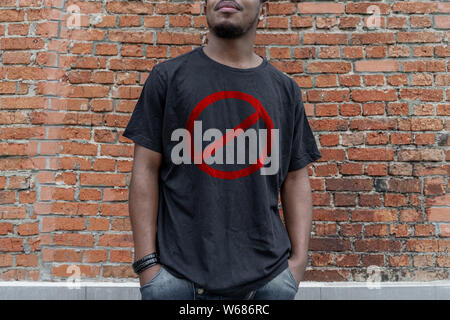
230	135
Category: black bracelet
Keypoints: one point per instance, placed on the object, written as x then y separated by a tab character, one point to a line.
141	261
145	262
147	265
144	259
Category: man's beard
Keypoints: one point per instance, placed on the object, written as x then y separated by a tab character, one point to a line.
227	30
230	31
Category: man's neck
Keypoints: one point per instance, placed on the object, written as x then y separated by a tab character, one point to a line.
233	54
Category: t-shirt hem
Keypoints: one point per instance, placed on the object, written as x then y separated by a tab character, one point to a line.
254	285
304	161
143	141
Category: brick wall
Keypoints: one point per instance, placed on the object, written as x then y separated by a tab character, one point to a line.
375	83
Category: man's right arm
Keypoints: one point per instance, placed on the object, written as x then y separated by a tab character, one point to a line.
143	200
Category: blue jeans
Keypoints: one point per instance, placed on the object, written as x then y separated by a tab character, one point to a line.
165	286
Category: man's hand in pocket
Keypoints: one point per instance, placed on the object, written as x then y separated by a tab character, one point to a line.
148	274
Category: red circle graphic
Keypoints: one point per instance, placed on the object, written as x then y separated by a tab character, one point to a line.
260	113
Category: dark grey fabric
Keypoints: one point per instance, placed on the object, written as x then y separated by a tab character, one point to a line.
224	234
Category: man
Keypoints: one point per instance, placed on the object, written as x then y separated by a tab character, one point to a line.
218	133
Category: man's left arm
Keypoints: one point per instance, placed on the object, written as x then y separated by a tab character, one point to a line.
296	199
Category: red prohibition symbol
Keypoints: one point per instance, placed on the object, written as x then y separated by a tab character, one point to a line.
260	112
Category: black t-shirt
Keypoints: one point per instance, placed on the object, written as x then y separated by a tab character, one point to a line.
218	221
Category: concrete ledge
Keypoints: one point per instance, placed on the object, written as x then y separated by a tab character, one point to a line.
434	290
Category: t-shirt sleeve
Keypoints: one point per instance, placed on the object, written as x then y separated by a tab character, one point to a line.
304	148
145	125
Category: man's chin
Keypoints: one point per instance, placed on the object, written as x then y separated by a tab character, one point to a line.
228	31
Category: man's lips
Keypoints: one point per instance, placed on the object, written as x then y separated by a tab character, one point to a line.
228	9
228	6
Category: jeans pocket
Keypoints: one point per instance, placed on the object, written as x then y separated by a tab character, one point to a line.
291	276
153	279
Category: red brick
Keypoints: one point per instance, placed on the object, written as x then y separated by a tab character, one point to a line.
321	199
21	43
421	94
326	170
423	261
26	229
395	200
376	66
351	169
372	124
377	245
116	240
6	260
422	245
345	199
399	230
346	22
347	260
330	215
398	261
441	214
98	224
424	230
322	259
72	271
410	215
434	186
375	138
370	200
348	184
6	227
445	230
61	255
110	271
125	256
27	260
328	67
114	209
438	200
74	239
332	154
311	7
329	244
11	244
372	260
424	139
95	256
420	155
376	169
102	179
379	230
371	154
443	261
350	229
12	15
50	224
121	224
329	139
404	185
374	215
374	108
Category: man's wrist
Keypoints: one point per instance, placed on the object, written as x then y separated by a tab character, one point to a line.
145	262
298	259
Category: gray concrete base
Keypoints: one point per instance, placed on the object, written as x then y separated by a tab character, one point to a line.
434	290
